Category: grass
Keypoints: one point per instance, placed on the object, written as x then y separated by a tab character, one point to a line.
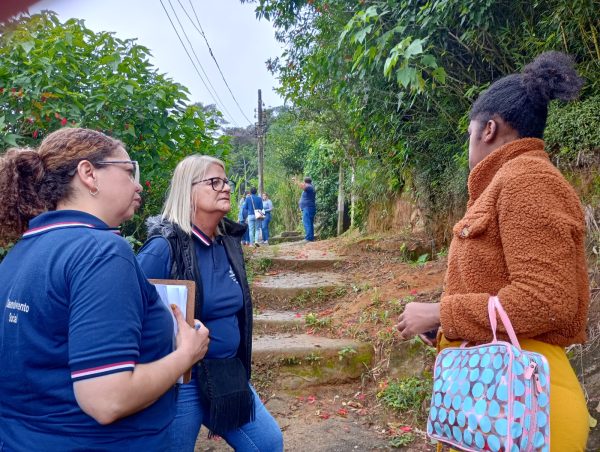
256	267
401	440
406	395
314	320
346	352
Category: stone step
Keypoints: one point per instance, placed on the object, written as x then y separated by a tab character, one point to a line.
295	361
410	359
270	321
288	258
290	238
289	289
279	239
291	234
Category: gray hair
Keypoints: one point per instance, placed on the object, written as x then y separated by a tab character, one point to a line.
179	205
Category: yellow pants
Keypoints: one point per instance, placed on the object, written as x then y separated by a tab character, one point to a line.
569	417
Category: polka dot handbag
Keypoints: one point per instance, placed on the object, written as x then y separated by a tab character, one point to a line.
491	397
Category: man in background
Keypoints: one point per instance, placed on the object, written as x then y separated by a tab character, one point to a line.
308	206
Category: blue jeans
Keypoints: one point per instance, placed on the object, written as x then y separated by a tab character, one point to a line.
254	226
246	238
265	226
261	435
308	220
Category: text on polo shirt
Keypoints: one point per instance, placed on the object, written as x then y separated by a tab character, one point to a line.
11	304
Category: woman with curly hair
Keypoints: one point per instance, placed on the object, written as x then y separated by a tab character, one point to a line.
522	239
86	345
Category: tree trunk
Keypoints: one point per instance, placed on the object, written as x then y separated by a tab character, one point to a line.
352	198
340	207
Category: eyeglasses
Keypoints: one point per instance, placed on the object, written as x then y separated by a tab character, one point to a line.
217	183
134	173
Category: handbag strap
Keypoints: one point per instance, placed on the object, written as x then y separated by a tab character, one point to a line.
494	306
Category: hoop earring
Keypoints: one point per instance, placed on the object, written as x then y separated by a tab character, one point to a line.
94	193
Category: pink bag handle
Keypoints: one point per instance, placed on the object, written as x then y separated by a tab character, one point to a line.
494	306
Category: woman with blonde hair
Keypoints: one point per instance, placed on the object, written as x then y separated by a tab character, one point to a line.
192	239
86	360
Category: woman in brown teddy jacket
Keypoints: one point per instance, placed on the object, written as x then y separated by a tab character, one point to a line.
521	238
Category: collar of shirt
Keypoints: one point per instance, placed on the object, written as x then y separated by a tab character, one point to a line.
62	219
201	236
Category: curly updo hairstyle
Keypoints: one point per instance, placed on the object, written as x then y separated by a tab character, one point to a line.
522	99
34	181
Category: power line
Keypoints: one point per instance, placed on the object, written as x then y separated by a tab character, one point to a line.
200	64
192	61
198	60
201	31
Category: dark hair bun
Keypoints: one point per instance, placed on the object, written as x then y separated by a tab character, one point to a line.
550	76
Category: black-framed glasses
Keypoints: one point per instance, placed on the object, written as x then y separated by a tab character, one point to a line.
134	173
217	183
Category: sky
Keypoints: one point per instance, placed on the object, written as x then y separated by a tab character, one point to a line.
239	41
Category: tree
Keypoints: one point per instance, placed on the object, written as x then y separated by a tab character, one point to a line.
243	166
212	113
55	74
390	82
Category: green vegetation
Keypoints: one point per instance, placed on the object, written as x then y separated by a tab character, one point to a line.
406	395
377	96
55	74
346	352
382	88
256	267
404	439
314	320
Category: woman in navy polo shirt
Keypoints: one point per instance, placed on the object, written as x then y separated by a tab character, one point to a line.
86	346
192	239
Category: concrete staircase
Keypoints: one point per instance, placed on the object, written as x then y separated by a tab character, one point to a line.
311	383
301	280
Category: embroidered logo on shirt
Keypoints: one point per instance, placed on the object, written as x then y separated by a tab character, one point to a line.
232	275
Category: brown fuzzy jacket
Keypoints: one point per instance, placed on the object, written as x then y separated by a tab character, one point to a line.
522	238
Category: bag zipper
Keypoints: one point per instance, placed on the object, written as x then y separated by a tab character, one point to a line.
536	389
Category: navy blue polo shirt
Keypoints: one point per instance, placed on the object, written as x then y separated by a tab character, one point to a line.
76	305
222	292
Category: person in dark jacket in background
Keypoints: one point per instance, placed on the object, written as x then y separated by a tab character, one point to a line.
308	206
193	240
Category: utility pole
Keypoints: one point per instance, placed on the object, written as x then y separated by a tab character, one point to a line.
261	145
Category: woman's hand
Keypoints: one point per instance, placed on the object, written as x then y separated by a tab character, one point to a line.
418	318
114	396
192	341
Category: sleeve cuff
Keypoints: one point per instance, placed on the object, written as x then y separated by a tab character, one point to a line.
99	371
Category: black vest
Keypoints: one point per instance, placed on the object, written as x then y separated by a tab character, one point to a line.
184	266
